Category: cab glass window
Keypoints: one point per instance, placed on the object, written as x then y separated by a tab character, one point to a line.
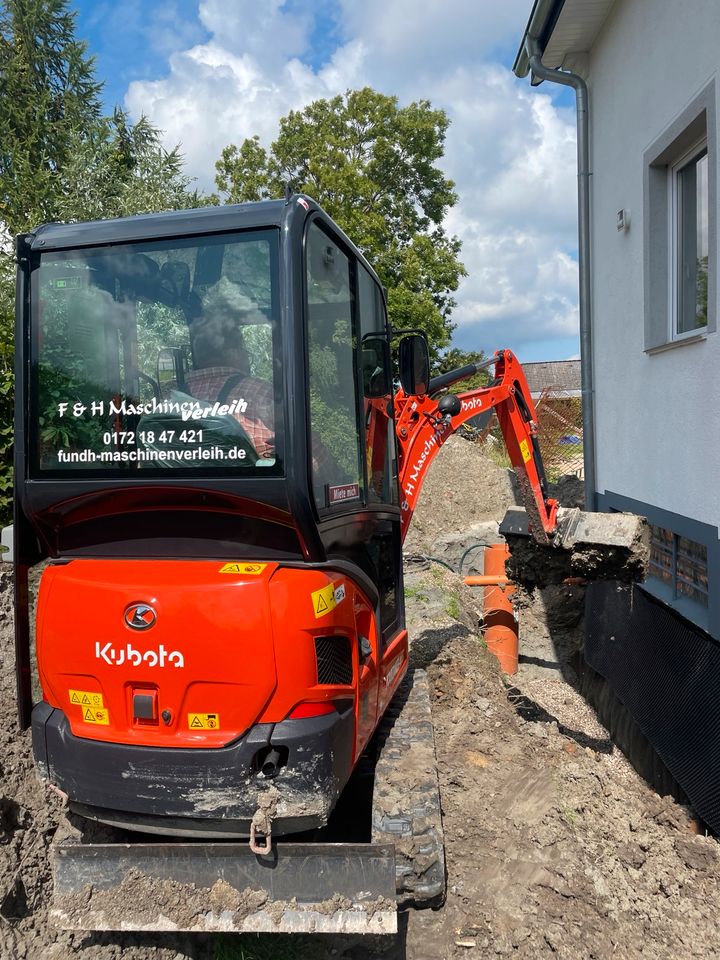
334	429
157	356
380	454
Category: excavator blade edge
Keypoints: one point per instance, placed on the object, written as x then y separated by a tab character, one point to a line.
223	887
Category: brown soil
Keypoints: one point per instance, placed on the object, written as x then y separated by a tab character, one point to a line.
463	487
555	847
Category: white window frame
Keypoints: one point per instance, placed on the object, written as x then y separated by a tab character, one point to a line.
693	126
694	154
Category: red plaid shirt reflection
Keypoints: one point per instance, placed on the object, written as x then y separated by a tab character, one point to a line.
258	421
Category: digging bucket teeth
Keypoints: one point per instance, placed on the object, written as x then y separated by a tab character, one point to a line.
223	887
585	546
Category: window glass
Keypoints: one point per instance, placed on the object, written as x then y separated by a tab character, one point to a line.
692	242
334	429
692	570
380	453
383	552
680	564
157	356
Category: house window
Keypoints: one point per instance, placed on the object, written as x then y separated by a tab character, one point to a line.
680	228
679	564
690	240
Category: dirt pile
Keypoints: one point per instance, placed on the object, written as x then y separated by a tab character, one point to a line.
555	846
462	488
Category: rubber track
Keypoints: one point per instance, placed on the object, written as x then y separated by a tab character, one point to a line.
406	795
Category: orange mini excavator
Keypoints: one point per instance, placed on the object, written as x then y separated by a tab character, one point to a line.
216	472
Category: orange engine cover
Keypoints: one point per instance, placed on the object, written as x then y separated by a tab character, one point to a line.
192	653
204	661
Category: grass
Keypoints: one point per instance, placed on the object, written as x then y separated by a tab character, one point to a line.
453	608
436	572
263	947
415	593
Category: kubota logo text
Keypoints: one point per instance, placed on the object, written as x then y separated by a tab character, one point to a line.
128	654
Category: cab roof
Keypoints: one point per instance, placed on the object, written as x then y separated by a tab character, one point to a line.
177	223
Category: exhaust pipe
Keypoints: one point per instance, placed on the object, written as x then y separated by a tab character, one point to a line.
271	764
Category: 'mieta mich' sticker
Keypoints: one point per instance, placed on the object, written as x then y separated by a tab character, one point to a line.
342	492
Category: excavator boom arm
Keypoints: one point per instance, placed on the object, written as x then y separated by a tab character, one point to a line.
424	423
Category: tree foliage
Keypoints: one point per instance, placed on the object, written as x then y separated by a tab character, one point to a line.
372	165
454	358
48	94
61	159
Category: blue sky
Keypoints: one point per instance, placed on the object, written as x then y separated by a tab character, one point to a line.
211	72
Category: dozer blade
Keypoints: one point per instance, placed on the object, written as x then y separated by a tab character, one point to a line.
585	546
203	887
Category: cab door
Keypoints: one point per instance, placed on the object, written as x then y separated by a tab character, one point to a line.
352	443
384	545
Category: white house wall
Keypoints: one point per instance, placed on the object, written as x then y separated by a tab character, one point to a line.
657	416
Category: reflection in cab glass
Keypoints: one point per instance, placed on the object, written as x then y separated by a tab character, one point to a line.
332	345
158	356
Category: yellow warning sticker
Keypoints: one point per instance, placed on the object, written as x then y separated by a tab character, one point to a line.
247	569
525	451
204	721
84	698
94	715
327	599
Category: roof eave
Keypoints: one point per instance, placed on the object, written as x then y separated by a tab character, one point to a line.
540	26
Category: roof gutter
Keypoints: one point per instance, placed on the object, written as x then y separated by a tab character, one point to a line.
543	17
539	70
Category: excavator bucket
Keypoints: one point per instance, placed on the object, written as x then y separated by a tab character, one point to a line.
586	546
223	887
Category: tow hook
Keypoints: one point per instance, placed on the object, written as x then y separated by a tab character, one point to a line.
262	850
261	823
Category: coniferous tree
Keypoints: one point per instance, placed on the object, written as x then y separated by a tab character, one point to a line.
48	98
62	160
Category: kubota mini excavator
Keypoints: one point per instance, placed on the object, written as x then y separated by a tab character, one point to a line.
215	467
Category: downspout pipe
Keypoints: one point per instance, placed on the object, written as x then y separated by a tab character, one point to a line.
583	160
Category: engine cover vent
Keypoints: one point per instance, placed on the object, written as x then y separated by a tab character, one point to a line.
334	660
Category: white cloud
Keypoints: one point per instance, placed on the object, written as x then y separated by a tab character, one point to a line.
421	38
509	148
262	29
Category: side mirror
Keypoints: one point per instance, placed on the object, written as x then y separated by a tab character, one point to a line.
375	367
414	365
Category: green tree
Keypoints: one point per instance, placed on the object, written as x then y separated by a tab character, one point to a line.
118	169
372	165
48	93
61	159
454	358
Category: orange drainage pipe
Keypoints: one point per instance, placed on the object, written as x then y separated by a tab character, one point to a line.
485	581
501	626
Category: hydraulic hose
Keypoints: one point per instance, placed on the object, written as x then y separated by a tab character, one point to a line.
454	376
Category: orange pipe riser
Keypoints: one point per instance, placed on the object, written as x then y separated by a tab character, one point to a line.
501	627
483	581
